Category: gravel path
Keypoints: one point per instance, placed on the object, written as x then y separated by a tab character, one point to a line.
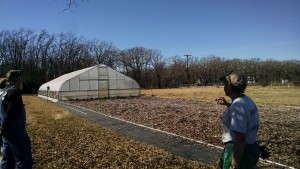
178	145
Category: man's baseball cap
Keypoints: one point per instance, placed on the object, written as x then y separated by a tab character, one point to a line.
235	79
13	75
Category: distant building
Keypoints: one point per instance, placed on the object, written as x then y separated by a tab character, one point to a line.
251	80
283	81
202	82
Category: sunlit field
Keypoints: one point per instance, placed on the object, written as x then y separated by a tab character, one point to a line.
276	95
279	108
63	140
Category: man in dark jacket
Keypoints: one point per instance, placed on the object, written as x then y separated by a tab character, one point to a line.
16	148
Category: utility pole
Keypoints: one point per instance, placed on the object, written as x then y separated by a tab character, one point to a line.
187	69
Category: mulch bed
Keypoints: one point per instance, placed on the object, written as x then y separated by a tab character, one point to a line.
200	120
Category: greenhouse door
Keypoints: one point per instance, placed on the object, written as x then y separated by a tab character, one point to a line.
103	89
103	82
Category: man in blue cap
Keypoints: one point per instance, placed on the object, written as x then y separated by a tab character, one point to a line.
16	148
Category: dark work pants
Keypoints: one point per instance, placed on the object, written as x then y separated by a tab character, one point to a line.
16	147
17	152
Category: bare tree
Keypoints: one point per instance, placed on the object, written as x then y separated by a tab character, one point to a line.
135	61
267	72
290	70
4	38
17	47
58	57
176	71
35	64
43	57
207	67
70	4
251	68
158	63
104	52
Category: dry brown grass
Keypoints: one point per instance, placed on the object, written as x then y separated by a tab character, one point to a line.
279	115
262	95
63	140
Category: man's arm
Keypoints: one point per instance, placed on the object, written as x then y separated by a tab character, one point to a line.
238	149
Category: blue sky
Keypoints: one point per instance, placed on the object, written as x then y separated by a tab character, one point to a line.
267	29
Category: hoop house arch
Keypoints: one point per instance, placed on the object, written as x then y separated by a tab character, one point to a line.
95	82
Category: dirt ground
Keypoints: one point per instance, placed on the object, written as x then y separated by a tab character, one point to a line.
177	145
200	120
72	137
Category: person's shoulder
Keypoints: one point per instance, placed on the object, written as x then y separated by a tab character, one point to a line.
240	102
249	100
243	99
12	91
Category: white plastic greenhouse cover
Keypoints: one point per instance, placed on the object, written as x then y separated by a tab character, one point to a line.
98	81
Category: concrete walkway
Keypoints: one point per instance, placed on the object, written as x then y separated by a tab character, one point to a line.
175	144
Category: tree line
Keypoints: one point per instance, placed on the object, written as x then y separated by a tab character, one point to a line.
43	56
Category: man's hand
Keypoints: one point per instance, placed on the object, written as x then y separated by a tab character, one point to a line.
222	101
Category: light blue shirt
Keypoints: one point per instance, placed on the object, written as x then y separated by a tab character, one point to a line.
242	116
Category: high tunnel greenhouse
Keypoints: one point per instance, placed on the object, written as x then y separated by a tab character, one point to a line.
95	82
